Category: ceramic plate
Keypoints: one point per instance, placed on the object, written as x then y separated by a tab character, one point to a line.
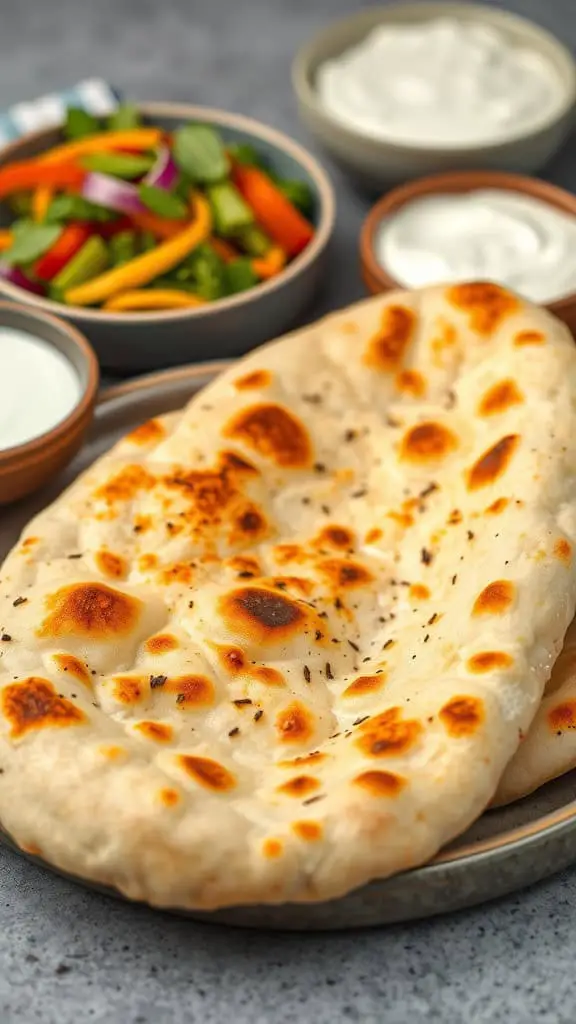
505	850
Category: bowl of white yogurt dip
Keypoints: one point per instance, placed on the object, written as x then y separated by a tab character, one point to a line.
48	386
417	88
512	230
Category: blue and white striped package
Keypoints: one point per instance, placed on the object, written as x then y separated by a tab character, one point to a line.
93	95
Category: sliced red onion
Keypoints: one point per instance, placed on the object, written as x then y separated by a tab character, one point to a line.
164	173
112	193
16	276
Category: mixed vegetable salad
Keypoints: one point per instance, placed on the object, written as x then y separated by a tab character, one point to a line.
125	217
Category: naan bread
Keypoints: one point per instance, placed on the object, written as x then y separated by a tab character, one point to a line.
288	642
549	749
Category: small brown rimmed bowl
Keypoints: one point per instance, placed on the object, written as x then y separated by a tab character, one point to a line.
131	342
377	279
26	467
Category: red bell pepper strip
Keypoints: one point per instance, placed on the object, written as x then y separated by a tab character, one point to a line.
283	222
65	247
29	174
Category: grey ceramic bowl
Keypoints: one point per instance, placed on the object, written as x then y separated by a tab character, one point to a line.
374	163
131	342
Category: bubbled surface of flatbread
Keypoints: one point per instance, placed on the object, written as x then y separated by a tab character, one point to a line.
287	642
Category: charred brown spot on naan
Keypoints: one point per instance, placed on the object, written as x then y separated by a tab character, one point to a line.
126	485
112	752
263	615
161	643
73	667
266	675
207	773
462	716
378	783
91	610
443	342
427	442
295	724
386	349
411	382
563	551
169	797
334	536
273	432
403	519
486	304
31	848
455	517
255	379
129	689
284	553
489	661
34	704
150	432
344	574
301	786
156	731
495	599
141	524
529	338
250	524
497	506
272	848
178	572
310	831
563	716
192	691
418	592
245	565
111	565
499	398
148	562
373	535
493	463
388	734
232	659
365	685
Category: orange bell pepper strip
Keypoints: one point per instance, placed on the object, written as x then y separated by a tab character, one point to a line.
21	177
283	222
6	238
153	298
271	264
223	249
135	139
162	227
65	247
143	269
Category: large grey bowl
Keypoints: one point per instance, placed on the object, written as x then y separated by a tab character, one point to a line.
376	164
130	342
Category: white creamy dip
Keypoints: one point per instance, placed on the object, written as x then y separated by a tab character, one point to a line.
488	234
39	387
439	82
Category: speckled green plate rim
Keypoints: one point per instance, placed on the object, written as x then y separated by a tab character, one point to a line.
505	850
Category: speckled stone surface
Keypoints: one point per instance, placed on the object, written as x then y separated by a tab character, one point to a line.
67	955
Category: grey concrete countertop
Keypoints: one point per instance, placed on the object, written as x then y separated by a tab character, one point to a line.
68	955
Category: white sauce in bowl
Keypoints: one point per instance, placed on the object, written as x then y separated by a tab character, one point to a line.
488	234
39	387
440	82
